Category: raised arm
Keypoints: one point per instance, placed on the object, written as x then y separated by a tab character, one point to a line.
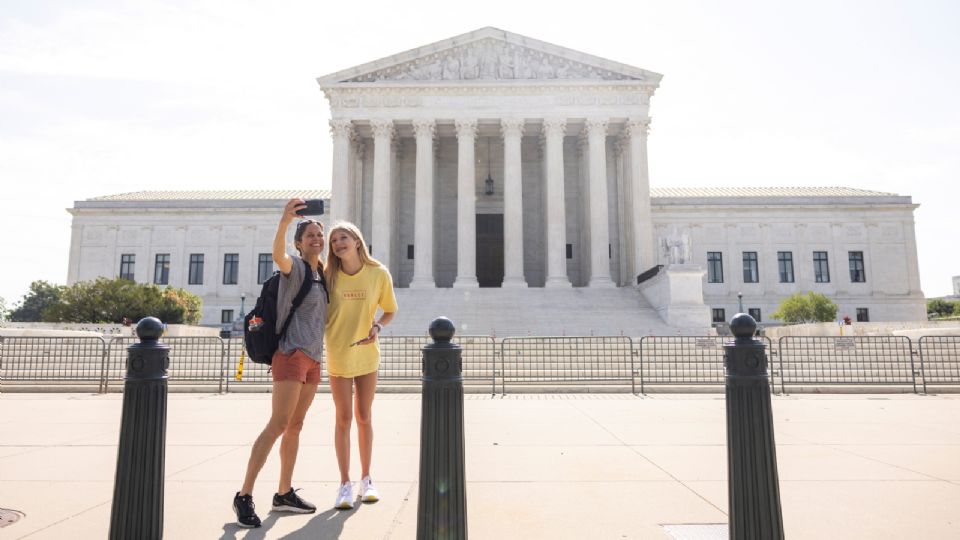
280	256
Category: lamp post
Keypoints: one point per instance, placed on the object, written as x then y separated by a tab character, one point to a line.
740	301
243	298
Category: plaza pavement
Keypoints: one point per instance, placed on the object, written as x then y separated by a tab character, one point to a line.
538	466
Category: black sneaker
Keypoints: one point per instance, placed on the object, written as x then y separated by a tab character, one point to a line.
291	502
246	516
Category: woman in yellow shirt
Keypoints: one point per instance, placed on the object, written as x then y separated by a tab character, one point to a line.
359	286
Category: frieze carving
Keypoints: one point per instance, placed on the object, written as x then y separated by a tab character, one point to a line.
491	59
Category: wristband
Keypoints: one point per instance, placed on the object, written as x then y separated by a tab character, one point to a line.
379	327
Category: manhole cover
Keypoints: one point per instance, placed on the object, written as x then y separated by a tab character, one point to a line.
9	517
697	531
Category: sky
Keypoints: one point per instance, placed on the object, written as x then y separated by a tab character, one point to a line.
100	97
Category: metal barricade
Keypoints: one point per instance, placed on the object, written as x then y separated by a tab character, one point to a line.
686	361
547	361
401	359
192	360
55	360
253	373
854	360
939	360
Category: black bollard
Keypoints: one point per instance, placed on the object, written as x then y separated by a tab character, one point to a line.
754	489
442	507
138	486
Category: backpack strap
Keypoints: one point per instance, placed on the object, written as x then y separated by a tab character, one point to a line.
301	295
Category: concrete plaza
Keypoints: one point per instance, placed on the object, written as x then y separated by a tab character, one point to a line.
538	466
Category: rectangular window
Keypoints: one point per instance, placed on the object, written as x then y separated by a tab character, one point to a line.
609	251
719	315
127	261
195	276
755	313
857	272
264	267
714	267
226	316
785	266
231	268
863	314
821	267
161	269
751	272
569	251
409	251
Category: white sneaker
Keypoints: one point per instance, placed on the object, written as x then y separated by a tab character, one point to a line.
368	493
345	497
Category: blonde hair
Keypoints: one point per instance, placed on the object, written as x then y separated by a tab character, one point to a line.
333	261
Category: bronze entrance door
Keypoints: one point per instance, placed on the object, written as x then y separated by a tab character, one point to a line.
490	249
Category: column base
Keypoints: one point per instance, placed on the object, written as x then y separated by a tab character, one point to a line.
466	282
557	282
601	283
422	283
516	282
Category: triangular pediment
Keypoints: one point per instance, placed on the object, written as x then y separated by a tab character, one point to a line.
489	55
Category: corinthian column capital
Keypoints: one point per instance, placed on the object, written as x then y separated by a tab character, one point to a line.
341	127
424	127
554	126
638	127
597	126
511	127
466	127
382	127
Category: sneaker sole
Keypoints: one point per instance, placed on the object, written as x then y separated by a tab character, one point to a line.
247	526
344	506
294	509
370	499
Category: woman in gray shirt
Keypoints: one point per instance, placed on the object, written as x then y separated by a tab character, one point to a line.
295	367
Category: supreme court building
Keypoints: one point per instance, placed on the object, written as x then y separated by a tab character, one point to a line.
504	181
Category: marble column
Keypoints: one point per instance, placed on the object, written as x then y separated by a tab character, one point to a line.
641	217
466	204
342	130
424	130
381	211
553	131
556	213
512	131
599	225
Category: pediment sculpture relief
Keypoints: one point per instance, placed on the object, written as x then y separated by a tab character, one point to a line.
490	60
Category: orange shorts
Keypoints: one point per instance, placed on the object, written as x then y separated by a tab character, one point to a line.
296	366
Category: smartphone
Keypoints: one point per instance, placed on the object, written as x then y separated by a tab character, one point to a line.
314	208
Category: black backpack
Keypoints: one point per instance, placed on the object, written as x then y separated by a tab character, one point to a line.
262	339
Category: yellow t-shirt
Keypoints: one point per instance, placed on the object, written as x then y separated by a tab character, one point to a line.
353	305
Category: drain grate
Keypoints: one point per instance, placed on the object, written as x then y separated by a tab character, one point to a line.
9	517
697	531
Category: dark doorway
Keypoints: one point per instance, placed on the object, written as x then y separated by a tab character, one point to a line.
490	249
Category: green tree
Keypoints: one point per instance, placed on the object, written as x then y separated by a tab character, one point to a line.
41	296
806	308
942	308
3	309
111	300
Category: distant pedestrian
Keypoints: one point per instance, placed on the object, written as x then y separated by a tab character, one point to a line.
359	287
295	367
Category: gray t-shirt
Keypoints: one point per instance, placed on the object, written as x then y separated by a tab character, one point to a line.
306	328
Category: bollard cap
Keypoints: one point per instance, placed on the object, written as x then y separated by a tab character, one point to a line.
149	329
742	326
442	330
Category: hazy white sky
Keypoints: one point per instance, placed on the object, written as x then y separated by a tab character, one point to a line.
104	96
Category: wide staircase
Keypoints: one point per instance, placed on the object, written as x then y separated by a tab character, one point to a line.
532	312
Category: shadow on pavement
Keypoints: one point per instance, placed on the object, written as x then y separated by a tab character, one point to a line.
324	526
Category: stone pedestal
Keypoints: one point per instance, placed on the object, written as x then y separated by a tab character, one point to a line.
676	293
